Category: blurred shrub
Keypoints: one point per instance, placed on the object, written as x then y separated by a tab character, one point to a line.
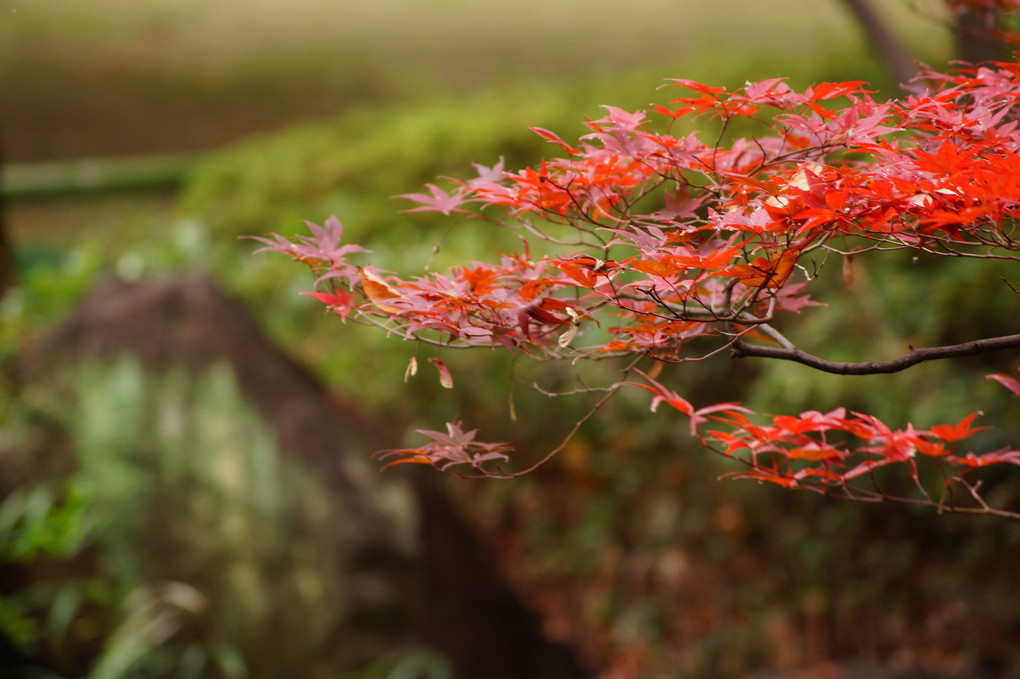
51	519
215	556
190	488
38	522
353	166
49	283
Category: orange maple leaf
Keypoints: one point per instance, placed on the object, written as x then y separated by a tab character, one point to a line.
765	273
377	290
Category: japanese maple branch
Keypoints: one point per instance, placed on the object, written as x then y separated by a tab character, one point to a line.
790	353
942	506
610	391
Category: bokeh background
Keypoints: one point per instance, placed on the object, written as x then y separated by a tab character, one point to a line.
185	472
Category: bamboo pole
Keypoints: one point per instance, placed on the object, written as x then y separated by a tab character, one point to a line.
51	180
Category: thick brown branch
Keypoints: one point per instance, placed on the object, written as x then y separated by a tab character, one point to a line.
981	346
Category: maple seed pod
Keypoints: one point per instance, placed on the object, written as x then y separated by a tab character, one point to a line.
567	337
848	269
445	378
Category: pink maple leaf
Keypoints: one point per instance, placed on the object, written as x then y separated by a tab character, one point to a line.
1005	380
445	450
662	394
439	201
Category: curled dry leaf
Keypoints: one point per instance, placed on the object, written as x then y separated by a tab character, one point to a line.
377	290
848	269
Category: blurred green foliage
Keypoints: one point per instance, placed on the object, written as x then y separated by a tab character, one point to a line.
46	520
353	166
49	284
190	488
211	552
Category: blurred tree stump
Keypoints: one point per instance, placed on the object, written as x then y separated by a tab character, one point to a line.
414	576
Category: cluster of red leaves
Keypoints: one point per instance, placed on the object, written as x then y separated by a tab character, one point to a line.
828	451
680	238
455	447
